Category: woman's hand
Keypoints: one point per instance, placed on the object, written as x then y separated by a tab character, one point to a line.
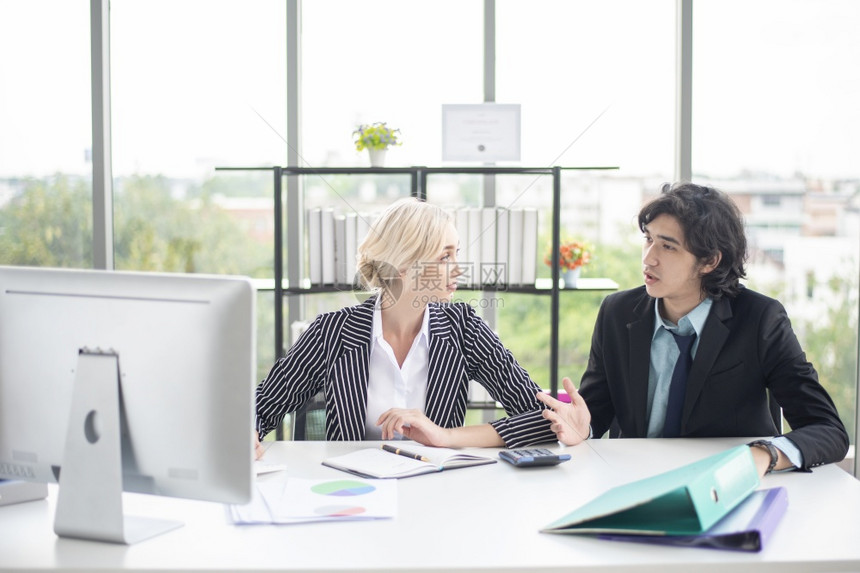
258	447
413	425
570	422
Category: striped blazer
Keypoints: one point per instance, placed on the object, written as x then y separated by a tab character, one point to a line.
332	355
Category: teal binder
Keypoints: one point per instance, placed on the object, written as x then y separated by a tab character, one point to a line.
684	501
748	527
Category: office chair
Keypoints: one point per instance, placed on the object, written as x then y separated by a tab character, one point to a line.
309	421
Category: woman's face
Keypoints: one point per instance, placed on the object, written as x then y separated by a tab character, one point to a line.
435	280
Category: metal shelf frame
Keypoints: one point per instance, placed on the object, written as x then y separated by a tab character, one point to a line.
418	188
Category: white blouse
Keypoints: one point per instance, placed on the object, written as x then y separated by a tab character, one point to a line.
390	385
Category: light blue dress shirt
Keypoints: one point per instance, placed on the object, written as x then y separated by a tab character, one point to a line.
664	355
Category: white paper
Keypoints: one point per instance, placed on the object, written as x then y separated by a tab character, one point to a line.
299	500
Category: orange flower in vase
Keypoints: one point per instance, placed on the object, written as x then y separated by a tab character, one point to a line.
572	256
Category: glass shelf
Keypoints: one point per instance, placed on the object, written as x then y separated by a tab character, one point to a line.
541	286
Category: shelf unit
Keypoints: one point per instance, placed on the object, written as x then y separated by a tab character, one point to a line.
418	188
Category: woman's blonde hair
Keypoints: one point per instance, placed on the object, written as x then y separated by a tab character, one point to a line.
408	232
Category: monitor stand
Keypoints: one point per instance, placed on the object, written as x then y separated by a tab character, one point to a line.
89	504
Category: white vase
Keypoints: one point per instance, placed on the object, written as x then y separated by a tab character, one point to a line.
377	157
570	277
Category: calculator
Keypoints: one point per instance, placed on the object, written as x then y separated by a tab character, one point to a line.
531	457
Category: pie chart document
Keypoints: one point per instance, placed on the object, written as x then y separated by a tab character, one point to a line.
298	500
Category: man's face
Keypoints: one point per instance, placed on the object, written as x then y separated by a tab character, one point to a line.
671	271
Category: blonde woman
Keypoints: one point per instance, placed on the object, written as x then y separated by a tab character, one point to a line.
399	364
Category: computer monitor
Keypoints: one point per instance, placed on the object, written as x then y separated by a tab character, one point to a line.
120	381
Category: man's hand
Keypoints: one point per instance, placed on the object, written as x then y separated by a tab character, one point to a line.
761	458
570	422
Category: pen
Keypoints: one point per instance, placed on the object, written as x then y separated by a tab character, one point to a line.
400	452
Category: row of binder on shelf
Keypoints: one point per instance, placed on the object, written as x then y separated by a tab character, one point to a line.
331	233
498	246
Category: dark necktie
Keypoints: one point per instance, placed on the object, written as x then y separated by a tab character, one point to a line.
678	386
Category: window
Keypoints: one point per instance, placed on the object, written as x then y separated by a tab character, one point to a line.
196	85
388	61
596	82
774	106
46	134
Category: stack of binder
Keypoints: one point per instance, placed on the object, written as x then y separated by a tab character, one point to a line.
709	503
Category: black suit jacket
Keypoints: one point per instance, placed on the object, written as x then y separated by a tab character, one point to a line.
747	347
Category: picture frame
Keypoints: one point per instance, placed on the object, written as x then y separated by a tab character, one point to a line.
485	132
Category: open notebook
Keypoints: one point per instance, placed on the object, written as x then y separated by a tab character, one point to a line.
412	460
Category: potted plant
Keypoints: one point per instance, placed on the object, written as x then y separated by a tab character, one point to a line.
376	138
572	256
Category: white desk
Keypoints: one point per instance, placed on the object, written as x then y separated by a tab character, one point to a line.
480	518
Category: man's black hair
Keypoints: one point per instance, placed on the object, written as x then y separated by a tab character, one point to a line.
712	225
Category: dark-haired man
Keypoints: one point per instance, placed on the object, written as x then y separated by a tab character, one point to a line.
693	353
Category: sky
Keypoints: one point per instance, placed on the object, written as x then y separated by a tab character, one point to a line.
197	84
